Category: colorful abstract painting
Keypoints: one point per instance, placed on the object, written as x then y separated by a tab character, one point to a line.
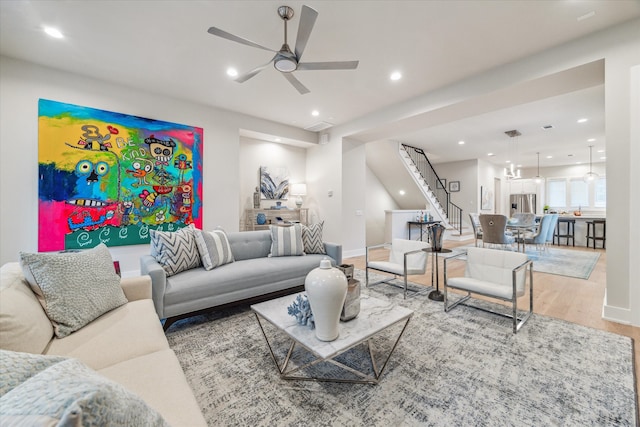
107	177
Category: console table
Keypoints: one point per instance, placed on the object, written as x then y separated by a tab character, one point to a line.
287	215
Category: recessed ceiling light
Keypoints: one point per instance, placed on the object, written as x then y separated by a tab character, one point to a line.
591	140
549	157
315	113
582	120
53	32
460	142
490	154
232	72
508	161
396	75
600	151
402	193
277	140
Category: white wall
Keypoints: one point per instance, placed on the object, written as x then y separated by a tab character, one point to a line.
22	84
255	153
466	172
378	200
354	197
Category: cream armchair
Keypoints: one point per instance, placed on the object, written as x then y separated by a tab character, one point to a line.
496	274
406	258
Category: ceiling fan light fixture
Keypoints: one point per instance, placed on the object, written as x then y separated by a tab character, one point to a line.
284	64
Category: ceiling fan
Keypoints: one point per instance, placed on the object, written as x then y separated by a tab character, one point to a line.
285	60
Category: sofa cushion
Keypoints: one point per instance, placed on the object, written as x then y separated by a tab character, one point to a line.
312	238
176	251
68	391
24	326
126	332
214	248
286	241
168	393
74	287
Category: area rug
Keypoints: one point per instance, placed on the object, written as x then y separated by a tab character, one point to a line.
464	367
562	262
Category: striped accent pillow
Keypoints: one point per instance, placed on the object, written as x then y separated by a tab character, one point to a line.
312	239
214	248
175	251
286	241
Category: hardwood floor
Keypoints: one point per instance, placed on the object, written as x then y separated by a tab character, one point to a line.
571	299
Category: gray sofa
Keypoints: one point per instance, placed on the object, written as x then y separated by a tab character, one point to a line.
254	275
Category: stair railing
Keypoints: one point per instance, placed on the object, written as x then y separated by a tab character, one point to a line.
428	173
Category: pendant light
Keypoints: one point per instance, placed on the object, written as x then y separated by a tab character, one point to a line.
511	173
538	179
590	176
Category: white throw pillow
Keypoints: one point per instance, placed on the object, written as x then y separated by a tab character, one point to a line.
286	241
176	251
74	288
214	248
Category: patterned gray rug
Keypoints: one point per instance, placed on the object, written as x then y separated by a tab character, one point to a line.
561	262
464	367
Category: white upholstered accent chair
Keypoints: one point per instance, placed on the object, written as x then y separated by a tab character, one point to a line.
496	274
406	258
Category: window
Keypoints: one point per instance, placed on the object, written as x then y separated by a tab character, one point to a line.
579	193
557	192
600	193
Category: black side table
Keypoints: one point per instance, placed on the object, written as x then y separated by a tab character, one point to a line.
436	295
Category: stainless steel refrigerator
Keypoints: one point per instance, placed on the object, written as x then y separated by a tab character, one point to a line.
523	203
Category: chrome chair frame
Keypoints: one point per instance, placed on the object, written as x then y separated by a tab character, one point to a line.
395	275
518	322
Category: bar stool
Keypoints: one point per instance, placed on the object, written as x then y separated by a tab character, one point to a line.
569	233
591	228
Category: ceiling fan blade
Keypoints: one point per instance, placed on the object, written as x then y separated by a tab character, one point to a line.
225	35
338	65
307	21
246	76
296	83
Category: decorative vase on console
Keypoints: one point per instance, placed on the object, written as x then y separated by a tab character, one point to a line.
326	289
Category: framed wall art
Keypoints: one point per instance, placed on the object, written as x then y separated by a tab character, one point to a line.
107	177
274	183
454	186
441	184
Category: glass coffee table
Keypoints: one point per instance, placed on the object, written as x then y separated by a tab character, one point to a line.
375	316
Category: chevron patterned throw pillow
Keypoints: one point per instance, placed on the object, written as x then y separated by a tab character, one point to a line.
312	238
175	251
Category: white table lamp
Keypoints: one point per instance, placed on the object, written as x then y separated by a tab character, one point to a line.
299	190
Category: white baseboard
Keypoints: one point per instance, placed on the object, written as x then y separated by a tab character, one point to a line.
615	314
354	253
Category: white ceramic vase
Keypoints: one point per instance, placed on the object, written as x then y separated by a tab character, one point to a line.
326	288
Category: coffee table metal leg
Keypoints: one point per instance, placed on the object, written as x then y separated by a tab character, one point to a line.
366	378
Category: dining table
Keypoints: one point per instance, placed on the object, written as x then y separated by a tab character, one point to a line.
520	229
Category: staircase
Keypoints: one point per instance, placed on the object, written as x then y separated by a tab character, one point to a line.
419	167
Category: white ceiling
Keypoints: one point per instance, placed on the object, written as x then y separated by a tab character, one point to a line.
163	47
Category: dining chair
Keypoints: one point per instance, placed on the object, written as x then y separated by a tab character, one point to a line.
406	258
525	218
477	229
494	230
541	234
551	231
